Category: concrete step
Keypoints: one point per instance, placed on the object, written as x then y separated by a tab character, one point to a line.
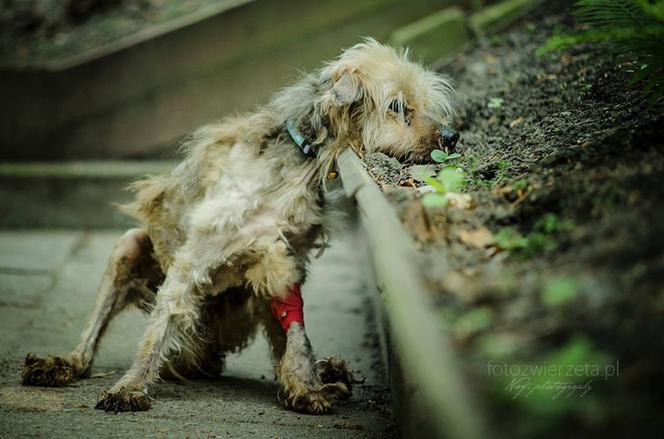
69	194
436	36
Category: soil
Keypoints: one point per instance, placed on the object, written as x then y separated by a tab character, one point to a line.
41	30
558	260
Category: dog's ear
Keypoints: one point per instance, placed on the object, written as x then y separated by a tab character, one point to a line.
347	89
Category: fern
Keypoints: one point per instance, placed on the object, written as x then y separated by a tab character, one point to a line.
633	29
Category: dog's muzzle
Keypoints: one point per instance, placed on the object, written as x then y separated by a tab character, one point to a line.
449	138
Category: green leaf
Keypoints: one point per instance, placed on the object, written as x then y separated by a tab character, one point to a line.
439	156
544	403
539	243
548	223
474	320
497	346
632	29
434	200
495	102
509	239
520	184
551	223
560	291
452	179
434	183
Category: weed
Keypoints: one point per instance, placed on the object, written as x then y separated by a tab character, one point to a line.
510	239
473	321
555	385
501	174
520	185
560	291
439	156
632	29
542	239
495	102
471	165
450	179
472	162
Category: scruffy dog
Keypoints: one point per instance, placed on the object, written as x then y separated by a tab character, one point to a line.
227	233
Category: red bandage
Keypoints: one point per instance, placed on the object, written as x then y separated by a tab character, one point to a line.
289	309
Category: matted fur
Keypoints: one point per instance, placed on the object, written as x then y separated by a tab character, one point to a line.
233	224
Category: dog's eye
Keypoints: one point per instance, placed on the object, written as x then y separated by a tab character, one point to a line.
396	106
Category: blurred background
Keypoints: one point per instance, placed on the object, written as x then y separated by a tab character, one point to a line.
118	80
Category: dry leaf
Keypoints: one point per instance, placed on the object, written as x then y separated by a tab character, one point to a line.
478	238
416	220
516	122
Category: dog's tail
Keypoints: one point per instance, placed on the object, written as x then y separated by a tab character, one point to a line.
149	196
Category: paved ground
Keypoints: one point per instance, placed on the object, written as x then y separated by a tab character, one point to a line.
47	286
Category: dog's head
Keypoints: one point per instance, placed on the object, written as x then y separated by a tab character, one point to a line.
388	102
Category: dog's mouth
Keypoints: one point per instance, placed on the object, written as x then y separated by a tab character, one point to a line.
445	140
422	156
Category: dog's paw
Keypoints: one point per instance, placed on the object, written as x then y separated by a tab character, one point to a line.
49	372
123	401
315	402
333	370
340	391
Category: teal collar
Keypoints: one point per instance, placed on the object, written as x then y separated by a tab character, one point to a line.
307	148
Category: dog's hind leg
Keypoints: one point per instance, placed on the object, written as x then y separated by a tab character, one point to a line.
131	276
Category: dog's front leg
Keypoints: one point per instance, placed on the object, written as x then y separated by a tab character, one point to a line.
172	325
302	388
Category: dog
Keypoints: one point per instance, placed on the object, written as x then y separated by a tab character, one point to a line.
227	234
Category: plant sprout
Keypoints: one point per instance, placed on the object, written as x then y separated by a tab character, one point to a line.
495	102
448	180
439	156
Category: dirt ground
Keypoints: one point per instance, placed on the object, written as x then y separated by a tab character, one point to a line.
557	260
47	289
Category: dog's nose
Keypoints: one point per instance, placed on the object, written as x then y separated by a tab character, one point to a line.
450	137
